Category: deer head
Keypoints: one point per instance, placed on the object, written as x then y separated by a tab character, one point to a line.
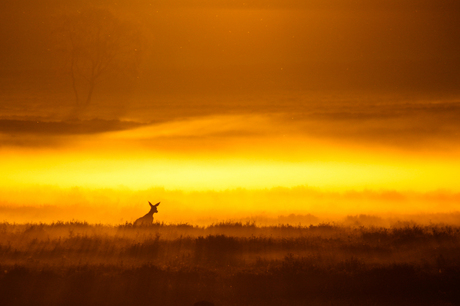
153	208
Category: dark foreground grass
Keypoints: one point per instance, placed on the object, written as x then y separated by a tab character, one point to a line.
228	264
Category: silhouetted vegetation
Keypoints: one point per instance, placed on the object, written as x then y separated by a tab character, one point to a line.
228	264
94	42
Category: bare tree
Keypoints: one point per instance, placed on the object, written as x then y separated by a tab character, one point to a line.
94	44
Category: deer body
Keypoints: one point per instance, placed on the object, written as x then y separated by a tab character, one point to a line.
148	218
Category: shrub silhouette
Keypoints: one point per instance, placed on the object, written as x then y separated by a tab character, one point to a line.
82	264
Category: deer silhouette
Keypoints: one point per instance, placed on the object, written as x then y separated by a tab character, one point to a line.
148	218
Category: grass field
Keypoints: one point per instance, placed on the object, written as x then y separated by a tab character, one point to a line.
229	264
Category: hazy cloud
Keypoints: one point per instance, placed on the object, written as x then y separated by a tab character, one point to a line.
94	126
425	126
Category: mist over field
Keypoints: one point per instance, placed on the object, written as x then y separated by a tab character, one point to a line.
302	152
295	206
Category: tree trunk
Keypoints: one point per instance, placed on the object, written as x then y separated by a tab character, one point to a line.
90	93
74	81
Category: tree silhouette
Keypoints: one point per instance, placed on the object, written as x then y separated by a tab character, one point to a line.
95	43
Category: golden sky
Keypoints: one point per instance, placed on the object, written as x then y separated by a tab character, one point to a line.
336	97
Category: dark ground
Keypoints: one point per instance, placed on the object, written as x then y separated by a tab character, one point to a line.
228	264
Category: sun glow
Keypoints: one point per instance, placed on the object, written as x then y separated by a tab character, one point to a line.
167	156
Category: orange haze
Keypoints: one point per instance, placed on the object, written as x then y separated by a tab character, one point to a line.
227	109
